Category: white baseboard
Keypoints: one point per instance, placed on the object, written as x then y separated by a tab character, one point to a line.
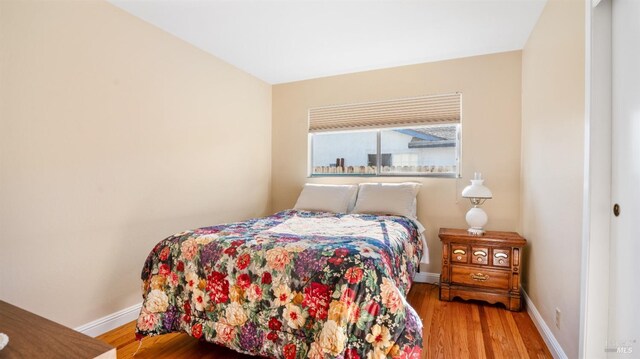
426	277
111	321
543	329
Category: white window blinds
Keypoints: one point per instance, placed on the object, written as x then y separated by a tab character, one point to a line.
415	111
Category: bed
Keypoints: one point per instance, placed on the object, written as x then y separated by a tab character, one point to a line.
297	284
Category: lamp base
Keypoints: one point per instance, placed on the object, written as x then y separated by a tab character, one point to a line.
476	231
476	219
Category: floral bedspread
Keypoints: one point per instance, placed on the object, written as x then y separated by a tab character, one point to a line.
295	284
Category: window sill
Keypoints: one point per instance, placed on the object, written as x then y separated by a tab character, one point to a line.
432	175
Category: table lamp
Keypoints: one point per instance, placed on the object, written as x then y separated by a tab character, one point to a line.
477	194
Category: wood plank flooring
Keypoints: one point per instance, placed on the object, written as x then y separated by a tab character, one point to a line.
454	329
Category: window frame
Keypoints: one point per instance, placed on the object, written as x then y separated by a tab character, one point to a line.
378	130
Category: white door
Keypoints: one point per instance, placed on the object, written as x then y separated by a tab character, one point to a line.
624	300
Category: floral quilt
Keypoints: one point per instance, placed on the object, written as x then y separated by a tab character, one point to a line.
295	284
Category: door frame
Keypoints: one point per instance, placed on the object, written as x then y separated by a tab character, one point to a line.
596	223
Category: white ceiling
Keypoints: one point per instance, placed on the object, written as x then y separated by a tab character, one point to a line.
284	41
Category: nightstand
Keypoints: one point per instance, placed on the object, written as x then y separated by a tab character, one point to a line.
483	267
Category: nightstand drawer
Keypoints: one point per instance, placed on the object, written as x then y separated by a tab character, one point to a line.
479	255
480	277
501	258
459	253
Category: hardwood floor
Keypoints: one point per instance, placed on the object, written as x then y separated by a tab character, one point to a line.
471	329
451	330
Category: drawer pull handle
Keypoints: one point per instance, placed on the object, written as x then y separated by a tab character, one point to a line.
459	251
480	253
479	277
498	255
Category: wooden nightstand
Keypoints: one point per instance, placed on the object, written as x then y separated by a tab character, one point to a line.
483	267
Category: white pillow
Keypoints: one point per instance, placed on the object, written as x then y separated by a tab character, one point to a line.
388	198
327	198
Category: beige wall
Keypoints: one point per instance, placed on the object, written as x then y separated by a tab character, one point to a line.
490	86
552	165
114	135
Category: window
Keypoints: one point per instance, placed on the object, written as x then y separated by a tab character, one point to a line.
408	137
355	149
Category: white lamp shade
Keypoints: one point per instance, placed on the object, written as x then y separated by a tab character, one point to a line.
476	190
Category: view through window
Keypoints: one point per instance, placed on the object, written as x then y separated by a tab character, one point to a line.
420	151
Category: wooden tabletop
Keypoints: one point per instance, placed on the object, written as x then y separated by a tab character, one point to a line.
32	336
508	238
